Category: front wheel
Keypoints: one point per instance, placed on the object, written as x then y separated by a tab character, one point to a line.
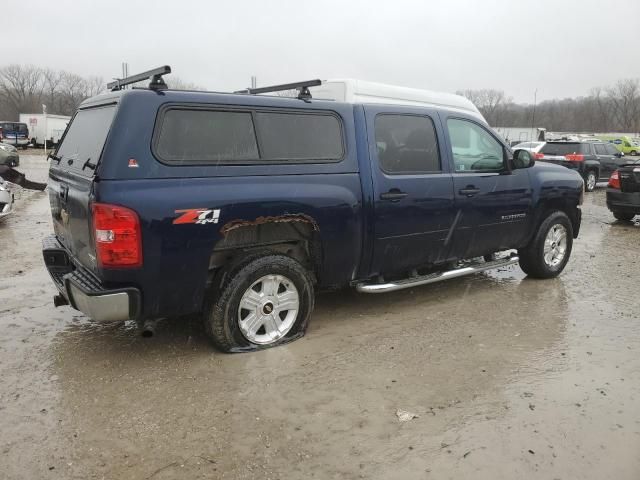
262	302
590	181
633	153
549	251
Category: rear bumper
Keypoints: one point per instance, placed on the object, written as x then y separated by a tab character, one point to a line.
84	291
623	201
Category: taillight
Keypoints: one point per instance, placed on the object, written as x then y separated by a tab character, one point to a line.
538	156
575	157
614	180
117	235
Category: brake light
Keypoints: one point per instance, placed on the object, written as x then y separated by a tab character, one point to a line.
575	157
614	180
117	235
538	156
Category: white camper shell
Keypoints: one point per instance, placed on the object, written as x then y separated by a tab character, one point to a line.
358	91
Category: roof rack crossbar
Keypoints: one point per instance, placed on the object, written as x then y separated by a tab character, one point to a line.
155	75
301	87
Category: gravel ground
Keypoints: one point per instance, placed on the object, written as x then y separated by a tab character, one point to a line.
503	377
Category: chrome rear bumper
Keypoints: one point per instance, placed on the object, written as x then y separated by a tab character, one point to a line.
83	290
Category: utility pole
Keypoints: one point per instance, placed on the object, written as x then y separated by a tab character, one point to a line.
254	81
533	117
44	112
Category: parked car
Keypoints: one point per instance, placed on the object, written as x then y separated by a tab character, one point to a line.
15	133
9	155
594	161
241	206
623	192
6	200
533	147
622	143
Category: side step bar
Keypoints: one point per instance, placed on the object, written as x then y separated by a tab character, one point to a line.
435	277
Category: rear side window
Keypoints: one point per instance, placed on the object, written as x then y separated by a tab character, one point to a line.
292	136
85	138
206	137
203	136
406	144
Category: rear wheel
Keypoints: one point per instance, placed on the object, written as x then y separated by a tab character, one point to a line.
549	251
262	302
590	181
623	216
633	153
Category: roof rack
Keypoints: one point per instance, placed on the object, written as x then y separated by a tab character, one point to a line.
301	87
156	83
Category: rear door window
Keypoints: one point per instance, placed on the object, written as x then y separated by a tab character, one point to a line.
406	144
601	149
85	139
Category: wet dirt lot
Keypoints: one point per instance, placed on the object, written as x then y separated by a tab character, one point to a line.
509	378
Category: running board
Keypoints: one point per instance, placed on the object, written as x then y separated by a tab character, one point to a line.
435	277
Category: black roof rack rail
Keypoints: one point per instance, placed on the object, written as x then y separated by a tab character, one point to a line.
301	87
156	83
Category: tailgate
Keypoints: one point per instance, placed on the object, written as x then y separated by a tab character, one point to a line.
630	179
71	177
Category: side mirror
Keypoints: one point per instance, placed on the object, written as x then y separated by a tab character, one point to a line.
523	159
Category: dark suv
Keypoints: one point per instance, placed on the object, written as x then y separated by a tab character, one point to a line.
240	206
595	161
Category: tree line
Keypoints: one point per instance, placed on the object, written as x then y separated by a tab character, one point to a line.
25	88
615	108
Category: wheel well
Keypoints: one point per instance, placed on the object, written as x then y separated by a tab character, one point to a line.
296	236
559	204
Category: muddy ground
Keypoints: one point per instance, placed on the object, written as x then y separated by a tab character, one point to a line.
510	378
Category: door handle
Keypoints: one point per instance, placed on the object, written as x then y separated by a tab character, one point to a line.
469	191
394	195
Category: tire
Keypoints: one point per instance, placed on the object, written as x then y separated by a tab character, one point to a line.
590	180
537	259
623	216
253	282
633	153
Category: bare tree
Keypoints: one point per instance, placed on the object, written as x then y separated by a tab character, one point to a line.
20	88
624	97
488	101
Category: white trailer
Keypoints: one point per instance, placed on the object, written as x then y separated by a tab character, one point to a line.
45	126
515	135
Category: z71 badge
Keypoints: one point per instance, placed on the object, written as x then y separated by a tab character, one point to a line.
199	216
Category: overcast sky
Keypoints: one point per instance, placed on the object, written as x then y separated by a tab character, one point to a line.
561	48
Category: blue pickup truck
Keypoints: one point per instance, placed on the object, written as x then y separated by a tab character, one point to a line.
239	206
